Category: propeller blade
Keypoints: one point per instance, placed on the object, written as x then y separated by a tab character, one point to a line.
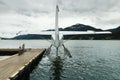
66	51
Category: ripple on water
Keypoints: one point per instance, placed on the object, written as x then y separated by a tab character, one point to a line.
92	60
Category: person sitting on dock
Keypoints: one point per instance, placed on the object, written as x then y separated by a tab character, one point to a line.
21	49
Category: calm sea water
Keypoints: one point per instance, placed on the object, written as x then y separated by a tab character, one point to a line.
91	60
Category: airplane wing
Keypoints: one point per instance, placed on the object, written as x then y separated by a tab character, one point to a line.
64	33
61	33
73	32
83	32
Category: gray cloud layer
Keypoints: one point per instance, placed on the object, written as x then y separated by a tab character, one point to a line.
40	13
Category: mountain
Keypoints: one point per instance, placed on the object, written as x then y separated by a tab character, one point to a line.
78	27
115	30
32	36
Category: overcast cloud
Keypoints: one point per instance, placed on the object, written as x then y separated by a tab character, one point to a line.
36	15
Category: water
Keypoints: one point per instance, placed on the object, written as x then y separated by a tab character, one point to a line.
28	43
3	57
91	60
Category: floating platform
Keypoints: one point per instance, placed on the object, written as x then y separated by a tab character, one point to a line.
8	51
18	67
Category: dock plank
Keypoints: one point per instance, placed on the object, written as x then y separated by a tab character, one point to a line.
13	64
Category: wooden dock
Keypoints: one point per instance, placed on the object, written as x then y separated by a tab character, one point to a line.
17	67
8	51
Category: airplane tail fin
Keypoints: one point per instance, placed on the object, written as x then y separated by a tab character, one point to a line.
56	26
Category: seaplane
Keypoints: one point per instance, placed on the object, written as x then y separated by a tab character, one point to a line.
57	36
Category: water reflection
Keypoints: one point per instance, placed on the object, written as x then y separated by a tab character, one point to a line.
56	69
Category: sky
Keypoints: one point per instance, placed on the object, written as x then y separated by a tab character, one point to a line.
37	15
